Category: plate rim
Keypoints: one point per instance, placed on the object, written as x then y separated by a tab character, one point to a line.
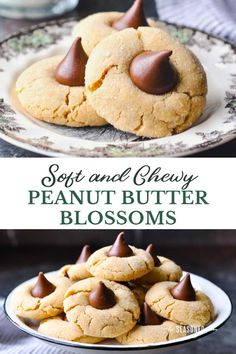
100	347
45	151
76	18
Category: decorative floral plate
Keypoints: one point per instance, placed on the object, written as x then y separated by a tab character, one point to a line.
222	305
216	126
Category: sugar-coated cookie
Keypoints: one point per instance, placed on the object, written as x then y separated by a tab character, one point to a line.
120	262
165	269
42	299
58	327
118	292
168	270
101	308
168	330
159	64
152	329
59	102
94	28
77	271
193	312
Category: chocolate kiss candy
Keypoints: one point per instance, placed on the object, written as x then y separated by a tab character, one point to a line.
64	318
152	250
120	248
84	255
43	287
150	318
134	17
184	290
153	73
71	70
102	297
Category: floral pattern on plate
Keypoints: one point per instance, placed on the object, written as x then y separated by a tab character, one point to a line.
216	126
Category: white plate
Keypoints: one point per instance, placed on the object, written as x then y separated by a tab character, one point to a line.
216	126
220	300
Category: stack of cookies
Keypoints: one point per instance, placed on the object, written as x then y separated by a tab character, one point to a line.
123	70
122	292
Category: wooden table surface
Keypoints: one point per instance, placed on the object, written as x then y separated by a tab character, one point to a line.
85	7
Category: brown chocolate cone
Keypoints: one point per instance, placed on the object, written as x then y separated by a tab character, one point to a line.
43	287
152	250
84	255
120	248
102	297
134	17
153	73
64	318
149	317
71	70
184	290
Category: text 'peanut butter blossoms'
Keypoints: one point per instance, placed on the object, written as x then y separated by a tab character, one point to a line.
52	90
153	88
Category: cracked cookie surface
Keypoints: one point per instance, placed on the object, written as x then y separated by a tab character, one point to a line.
45	99
57	327
194	313
27	306
75	272
168	270
94	28
115	97
107	323
168	330
120	268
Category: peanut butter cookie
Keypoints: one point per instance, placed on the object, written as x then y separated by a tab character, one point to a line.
77	271
120	262
152	329
145	82
164	269
101	308
94	28
58	327
52	90
42	299
188	307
